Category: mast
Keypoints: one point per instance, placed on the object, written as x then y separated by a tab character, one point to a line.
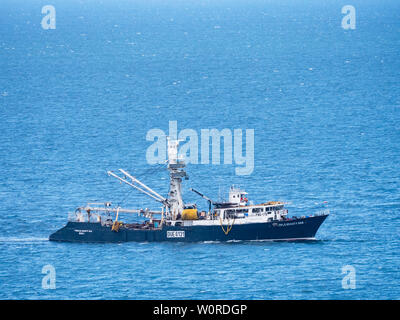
176	170
174	203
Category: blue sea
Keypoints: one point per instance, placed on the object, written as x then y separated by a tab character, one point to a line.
324	103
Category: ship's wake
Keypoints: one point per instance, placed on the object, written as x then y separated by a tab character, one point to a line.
17	239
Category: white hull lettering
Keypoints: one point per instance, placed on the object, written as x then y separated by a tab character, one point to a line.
175	234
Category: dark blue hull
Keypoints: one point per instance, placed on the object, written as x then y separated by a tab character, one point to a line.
299	229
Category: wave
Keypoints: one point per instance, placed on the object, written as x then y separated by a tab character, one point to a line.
16	239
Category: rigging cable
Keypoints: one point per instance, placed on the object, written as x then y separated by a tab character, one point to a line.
148	171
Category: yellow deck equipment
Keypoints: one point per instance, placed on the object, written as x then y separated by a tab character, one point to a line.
189	214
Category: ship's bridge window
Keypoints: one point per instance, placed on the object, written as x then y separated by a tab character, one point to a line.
242	210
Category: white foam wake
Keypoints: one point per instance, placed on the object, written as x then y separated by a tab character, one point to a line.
16	239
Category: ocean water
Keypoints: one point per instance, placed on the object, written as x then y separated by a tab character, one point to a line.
323	102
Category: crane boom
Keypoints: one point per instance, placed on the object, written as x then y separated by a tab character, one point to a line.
210	202
143	185
202	195
159	199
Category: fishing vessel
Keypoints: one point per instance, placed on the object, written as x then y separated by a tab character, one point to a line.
230	220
